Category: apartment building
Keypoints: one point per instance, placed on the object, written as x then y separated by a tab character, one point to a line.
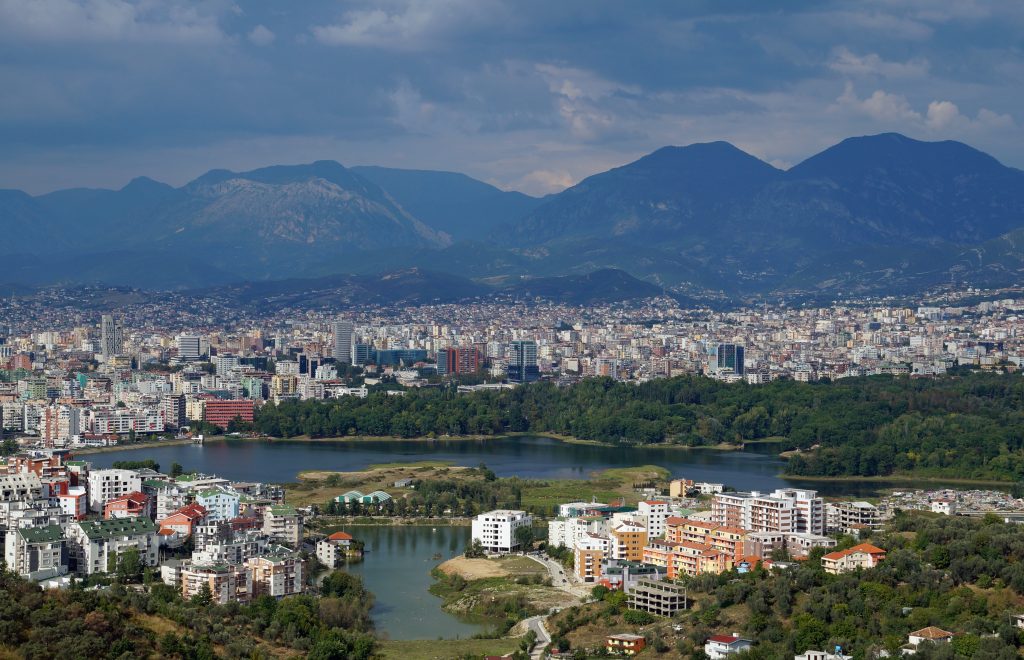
36	550
657	597
109	484
627	541
496	530
227	583
762	544
96	545
284	524
846	517
220	503
784	510
279	574
654	513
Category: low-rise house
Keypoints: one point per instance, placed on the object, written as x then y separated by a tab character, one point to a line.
929	634
945	506
860	556
95	546
283	523
722	646
823	655
333	550
131	505
625	644
30	551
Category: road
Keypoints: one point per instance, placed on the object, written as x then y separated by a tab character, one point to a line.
560	579
536	624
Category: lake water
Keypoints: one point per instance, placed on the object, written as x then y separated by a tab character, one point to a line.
757	468
396	569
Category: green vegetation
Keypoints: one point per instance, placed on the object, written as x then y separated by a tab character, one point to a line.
502	601
968	426
155	621
149	464
469	491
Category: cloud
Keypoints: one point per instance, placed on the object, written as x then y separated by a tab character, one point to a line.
880	106
847	62
110	21
544	182
411	25
261	36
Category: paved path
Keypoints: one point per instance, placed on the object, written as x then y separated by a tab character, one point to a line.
536	624
560	579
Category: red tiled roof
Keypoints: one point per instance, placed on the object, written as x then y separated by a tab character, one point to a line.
724	639
340	536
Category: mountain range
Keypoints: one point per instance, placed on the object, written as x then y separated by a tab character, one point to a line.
874	214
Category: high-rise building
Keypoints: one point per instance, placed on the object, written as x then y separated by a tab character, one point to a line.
111	336
522	361
188	347
362	353
174	410
344	333
462	360
729	357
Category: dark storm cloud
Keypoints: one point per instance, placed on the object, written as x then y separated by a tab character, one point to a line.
525	94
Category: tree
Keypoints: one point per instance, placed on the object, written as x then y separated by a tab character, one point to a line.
524	537
475	550
177	470
129	566
204	597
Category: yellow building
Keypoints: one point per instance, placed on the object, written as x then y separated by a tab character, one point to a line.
628	540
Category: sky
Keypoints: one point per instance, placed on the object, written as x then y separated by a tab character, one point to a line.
530	95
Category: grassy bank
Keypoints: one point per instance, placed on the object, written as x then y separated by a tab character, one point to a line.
504	590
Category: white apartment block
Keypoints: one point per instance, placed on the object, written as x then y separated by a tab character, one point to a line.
105	485
784	510
496	530
97	545
569	532
654	514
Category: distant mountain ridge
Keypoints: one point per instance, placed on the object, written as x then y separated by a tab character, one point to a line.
868	215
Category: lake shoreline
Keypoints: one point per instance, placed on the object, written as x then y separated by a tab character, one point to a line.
898	478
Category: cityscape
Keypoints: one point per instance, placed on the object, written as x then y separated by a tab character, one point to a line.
494	330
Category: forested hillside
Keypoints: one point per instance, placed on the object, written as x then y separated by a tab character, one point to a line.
964	426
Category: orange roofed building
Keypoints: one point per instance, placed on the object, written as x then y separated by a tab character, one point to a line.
183	522
864	555
132	505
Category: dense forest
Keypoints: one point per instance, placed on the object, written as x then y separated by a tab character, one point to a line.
152	620
964	575
963	426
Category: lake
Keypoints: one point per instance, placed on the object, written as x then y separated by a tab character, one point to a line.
396	568
756	468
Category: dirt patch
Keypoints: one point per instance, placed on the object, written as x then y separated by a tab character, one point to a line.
474	569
